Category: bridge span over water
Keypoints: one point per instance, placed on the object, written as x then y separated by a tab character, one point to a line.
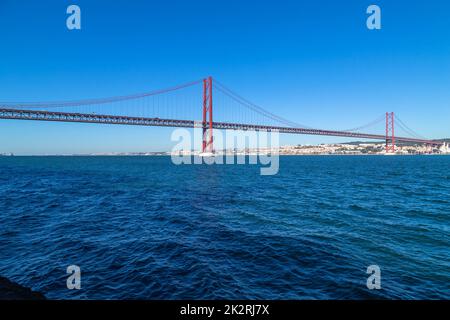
144	110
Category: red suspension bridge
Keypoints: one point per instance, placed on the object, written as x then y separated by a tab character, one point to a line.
178	107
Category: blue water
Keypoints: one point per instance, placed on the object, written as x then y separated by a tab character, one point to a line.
143	228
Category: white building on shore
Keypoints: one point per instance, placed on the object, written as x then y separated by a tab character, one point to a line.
444	148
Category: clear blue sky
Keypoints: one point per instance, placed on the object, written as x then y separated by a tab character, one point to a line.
314	62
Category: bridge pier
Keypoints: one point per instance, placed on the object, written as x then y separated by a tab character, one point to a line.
390	133
207	144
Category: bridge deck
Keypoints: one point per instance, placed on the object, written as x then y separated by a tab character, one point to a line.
20	114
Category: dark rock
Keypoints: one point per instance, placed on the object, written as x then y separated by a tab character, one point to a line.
13	291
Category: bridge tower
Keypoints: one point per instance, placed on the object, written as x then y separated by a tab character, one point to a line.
207	145
390	133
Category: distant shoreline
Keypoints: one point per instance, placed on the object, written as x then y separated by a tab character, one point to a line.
236	155
362	149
